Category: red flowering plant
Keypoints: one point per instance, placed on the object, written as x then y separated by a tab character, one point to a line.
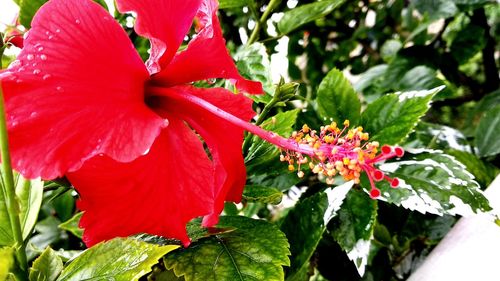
148	150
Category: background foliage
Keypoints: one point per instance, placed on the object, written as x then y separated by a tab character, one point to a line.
380	64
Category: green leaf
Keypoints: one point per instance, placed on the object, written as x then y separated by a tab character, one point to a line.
487	139
392	117
6	261
306	13
261	154
432	182
48	232
224	4
337	100
253	63
473	37
436	9
6	236
118	259
257	193
46	267
353	227
30	195
27	10
256	250
305	223
71	225
370	82
437	136
484	172
390	49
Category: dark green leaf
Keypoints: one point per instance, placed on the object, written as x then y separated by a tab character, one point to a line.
27	10
30	195
353	227
487	139
306	13
253	63
370	81
256	193
47	231
432	182
484	172
118	259
46	267
71	225
392	117
305	223
261	153
390	49
256	250
471	36
337	101
437	136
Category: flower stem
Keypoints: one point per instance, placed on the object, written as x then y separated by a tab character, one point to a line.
260	22
9	190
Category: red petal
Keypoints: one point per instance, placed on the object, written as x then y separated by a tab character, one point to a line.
165	23
157	193
223	138
206	57
76	90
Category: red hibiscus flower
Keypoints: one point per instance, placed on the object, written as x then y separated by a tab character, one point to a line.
81	103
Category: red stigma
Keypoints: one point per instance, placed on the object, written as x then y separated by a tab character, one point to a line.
386	149
374	193
399	151
378	175
395	182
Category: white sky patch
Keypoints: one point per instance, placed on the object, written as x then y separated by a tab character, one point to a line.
359	255
8	13
279	60
414	94
336	196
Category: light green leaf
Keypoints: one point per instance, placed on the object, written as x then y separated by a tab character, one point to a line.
46	267
6	261
256	193
392	117
224	4
253	63
370	82
30	195
432	182
390	49
6	236
261	154
305	223
71	225
256	250
487	139
306	13
337	99
353	227
118	259
28	8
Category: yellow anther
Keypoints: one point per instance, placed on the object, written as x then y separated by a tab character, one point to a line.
282	158
291	168
331	173
346	123
333	126
300	174
311	165
305	128
335	150
346	161
330	181
360	129
356	180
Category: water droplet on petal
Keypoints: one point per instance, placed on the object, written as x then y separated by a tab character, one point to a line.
145	152
40	48
60	89
77	21
15	63
43	57
165	122
105	18
33	114
51	36
19	81
36	71
46	76
30	57
58	30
